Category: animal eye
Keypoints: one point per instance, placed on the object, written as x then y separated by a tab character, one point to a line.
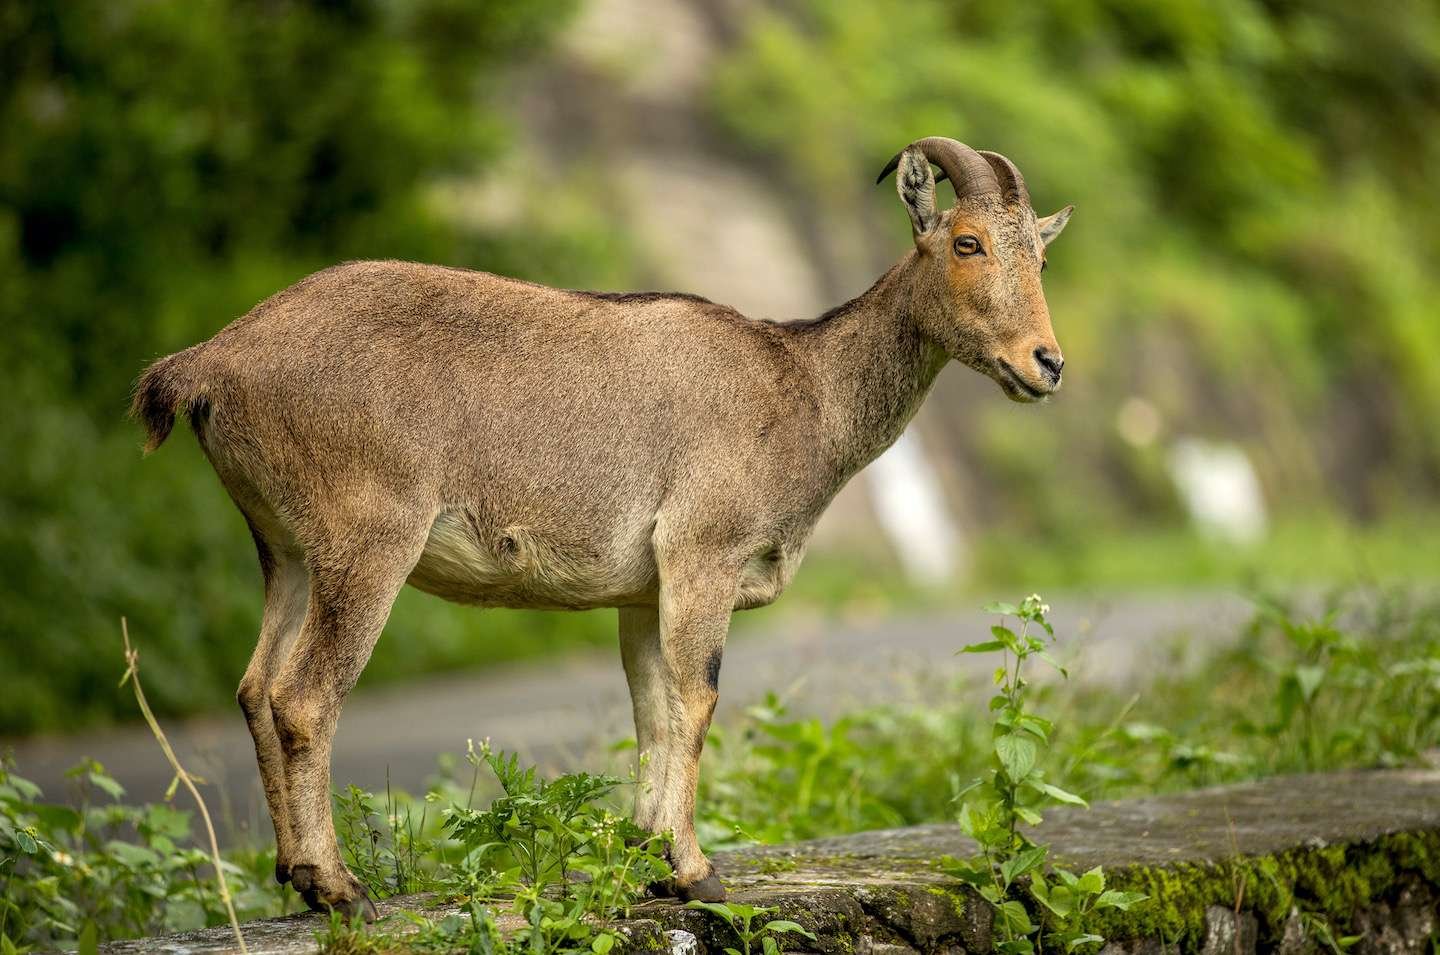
967	245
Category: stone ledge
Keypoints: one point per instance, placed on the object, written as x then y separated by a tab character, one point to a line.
1361	850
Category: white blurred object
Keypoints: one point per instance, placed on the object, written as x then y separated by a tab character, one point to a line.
910	507
1138	422
1220	489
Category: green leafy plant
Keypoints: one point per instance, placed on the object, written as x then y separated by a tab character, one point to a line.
1070	898
551	851
539	833
1317	928
1320	663
812	778
741	919
102	869
387	849
96	868
1012	793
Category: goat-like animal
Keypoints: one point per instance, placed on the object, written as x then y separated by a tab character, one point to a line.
506	444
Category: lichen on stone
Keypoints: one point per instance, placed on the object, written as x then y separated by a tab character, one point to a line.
1333	882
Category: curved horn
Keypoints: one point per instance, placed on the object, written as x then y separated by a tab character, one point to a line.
1012	184
967	170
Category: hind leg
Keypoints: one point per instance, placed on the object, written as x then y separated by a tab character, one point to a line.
287	592
645	672
352	587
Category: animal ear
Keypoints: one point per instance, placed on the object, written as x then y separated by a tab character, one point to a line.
916	185
1053	225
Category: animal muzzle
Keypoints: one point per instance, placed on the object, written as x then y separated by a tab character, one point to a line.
1033	377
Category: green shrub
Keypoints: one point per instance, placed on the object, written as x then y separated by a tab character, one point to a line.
103	869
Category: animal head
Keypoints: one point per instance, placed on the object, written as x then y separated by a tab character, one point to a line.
978	294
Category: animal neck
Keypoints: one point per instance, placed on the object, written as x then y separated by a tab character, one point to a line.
872	367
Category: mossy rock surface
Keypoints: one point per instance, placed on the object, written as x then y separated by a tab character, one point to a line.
1232	869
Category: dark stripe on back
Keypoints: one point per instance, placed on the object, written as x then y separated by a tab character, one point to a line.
639	298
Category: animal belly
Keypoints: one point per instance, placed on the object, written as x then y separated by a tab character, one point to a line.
517	566
766	575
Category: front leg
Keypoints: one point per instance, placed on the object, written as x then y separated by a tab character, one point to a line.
696	599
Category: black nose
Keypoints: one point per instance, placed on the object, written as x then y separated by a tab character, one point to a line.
1050	363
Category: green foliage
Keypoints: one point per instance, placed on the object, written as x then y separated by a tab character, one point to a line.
224	141
1316	927
741	918
1224	720
1325	668
1357	685
165	166
1245	714
385	847
1300	551
813	779
552	852
549	851
554	862
1250	256
1070	903
103	869
1013	792
539	834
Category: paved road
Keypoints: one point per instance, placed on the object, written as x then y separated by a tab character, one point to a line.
562	712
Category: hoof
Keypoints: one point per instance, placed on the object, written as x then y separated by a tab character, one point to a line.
661	890
301	876
353	901
348	908
282	873
707	889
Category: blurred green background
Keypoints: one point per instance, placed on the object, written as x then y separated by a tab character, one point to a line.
1252	266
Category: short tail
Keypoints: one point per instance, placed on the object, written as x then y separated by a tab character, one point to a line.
165	389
